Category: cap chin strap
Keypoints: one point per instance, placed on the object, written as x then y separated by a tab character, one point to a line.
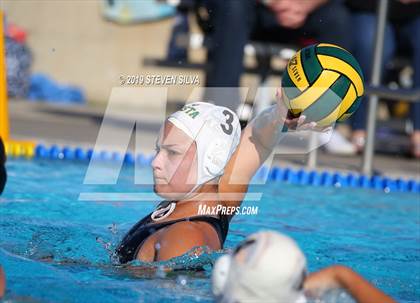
192	191
166	208
163	211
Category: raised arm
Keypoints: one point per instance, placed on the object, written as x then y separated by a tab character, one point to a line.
343	277
257	142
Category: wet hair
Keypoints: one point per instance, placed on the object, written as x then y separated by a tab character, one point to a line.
3	175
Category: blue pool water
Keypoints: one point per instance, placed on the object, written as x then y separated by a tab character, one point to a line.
55	248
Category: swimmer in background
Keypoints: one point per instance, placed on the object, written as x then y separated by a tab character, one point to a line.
3	178
202	160
270	267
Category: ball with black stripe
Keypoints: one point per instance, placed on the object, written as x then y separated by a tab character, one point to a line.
324	82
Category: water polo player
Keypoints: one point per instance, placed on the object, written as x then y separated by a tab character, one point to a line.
270	267
201	157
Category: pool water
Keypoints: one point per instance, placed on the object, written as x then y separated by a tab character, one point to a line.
55	248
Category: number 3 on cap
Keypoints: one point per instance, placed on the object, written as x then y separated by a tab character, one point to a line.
229	119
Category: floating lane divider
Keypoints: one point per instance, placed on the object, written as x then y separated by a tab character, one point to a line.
275	174
20	149
55	152
338	179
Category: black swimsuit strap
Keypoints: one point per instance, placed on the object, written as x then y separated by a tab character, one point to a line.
132	241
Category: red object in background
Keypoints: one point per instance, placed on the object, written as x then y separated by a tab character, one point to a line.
16	33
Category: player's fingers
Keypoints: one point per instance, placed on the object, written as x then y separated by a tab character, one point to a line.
301	120
291	123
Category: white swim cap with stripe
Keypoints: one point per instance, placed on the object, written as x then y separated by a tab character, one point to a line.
266	267
216	131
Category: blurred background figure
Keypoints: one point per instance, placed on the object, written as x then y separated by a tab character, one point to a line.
22	83
229	25
180	31
401	36
18	61
234	23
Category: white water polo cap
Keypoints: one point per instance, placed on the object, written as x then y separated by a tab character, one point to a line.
216	131
266	267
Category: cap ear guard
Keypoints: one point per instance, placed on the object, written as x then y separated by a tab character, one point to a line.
220	148
216	156
217	139
220	275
